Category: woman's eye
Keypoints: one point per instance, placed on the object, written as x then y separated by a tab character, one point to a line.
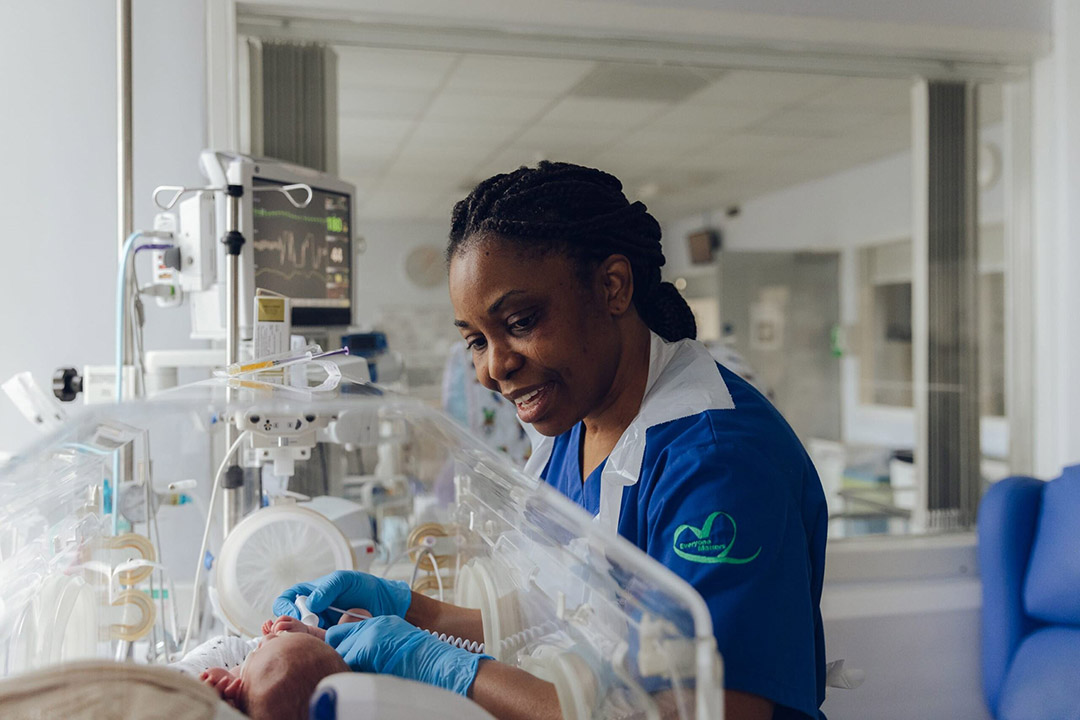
523	323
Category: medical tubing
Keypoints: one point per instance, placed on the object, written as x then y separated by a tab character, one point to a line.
425	551
121	282
206	537
462	643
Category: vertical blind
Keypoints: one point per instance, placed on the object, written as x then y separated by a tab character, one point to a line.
953	449
294	113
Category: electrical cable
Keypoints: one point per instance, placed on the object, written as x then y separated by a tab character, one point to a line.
122	283
464	643
137	312
206	536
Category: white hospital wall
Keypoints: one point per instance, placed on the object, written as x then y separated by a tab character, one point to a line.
380	269
58	140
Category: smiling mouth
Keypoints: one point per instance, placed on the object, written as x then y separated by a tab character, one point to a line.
531	406
525	400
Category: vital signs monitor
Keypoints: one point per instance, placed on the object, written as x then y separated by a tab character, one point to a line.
296	245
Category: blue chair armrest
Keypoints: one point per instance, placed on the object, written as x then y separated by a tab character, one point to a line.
1007	520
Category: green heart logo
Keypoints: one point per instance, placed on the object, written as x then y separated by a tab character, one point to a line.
703	548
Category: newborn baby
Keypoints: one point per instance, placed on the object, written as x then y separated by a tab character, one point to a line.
276	679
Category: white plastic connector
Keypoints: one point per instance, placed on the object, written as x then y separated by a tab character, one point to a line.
306	616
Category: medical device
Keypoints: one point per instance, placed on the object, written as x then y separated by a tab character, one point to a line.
425	502
306	616
268	362
298	226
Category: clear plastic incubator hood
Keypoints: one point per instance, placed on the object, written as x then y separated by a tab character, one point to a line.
104	544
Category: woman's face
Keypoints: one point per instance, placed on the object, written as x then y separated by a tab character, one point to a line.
538	335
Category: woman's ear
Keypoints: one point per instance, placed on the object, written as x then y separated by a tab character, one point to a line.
616	279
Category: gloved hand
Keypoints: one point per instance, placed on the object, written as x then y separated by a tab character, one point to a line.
346	589
391	645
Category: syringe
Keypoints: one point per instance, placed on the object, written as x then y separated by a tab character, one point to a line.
311	352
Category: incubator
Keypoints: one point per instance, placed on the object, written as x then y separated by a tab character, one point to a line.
106	552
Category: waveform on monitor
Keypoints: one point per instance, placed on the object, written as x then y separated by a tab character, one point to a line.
311	274
303	254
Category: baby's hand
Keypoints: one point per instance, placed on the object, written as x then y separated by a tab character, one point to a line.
286	623
224	682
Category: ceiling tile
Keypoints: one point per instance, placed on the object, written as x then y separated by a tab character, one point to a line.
707	117
740	151
643	81
626	153
802	122
511	158
878	95
477	133
366	164
382	102
371	132
748	88
462	106
651	139
419	130
399	69
574	112
449	160
560	143
500	75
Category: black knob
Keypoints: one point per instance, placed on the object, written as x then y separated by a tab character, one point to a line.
66	384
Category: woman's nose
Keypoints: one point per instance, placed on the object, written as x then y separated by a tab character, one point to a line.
503	361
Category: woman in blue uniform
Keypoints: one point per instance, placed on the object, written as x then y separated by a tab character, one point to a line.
555	282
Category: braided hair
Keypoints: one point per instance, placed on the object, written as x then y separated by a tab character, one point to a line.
582	213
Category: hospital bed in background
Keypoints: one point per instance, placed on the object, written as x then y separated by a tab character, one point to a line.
111	549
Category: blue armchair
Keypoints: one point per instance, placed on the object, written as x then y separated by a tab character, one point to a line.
1029	558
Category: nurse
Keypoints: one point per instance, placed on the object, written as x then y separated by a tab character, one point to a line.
555	282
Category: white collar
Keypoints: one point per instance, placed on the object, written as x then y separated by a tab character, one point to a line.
683	380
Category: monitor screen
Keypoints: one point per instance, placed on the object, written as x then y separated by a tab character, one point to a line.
305	253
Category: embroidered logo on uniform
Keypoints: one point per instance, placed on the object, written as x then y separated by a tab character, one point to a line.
711	543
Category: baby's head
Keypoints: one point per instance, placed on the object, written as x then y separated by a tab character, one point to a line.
278	677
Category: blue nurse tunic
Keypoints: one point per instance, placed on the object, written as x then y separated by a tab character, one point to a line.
729	500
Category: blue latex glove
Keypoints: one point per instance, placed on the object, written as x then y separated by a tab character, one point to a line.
392	646
346	589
